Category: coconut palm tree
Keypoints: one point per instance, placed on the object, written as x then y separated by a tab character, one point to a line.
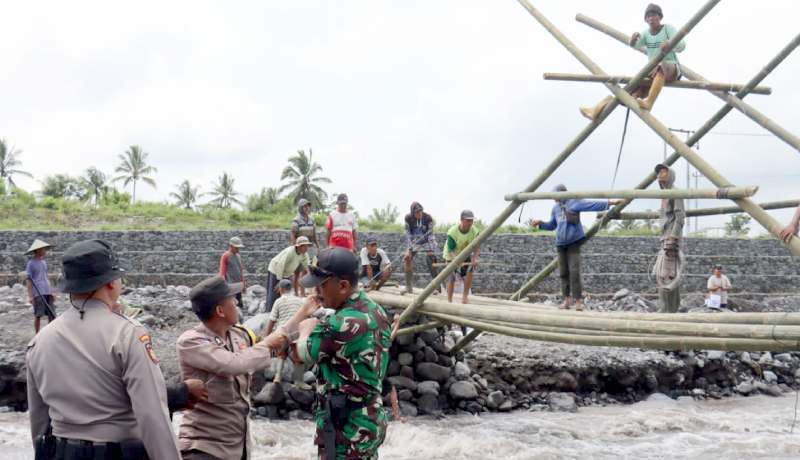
134	166
300	172
96	184
224	192
186	195
9	160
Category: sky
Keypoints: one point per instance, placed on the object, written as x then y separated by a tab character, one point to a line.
439	102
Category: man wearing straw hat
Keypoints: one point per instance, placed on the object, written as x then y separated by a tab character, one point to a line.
40	294
94	386
284	265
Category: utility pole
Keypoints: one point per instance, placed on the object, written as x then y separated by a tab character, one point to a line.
696	176
688	167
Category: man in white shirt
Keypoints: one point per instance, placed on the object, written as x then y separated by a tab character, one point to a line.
375	266
720	285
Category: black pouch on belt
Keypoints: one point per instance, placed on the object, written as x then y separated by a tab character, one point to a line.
45	445
571	217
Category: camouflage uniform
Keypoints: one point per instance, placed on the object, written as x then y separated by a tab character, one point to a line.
352	350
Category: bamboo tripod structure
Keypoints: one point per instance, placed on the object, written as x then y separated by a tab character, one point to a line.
508	324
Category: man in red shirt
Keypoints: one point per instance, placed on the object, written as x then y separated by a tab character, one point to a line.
341	226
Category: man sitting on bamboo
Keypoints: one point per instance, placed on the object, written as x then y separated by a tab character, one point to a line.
656	39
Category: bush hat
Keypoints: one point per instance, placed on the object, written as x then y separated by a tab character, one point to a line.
88	265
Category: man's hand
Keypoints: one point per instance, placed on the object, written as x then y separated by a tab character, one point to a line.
614	202
535	223
276	288
30	300
430	253
198	392
635	38
306	326
407	255
244	291
664	46
276	341
788	232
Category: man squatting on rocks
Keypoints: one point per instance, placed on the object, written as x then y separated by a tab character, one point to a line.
94	386
283	310
656	39
670	222
221	353
40	293
719	284
375	266
565	219
351	349
419	233
340	228
231	268
303	224
284	265
459	237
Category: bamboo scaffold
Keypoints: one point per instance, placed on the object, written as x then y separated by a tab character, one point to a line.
616	79
703	211
721	193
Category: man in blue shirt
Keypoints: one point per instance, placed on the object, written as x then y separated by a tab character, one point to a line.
40	294
565	220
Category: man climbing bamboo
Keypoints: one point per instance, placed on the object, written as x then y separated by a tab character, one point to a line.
656	40
666	270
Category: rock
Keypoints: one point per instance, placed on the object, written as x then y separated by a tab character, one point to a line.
620	294
716	355
428	387
272	412
429	336
272	393
257	290
746	357
495	399
405	359
147	320
445	361
562	402
744	388
430	355
473	407
509	405
483	383
462	371
686	401
408	372
797	374
773	391
303	397
565	381
257	323
393	369
262	411
428	404
659	398
404	340
405	395
784	357
463	390
765	358
432	371
760	386
253	308
701	364
402	383
309	377
301	415
408	409
770	377
699	392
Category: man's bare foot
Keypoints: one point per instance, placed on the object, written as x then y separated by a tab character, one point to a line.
465	300
564	306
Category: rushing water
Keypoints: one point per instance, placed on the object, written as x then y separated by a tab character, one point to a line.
756	427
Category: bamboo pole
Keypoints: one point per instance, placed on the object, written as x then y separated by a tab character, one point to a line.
732	101
568	330
693	139
715	193
615	79
472	335
656	343
481	264
421	327
704	211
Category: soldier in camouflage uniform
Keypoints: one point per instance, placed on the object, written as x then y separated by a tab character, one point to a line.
351	349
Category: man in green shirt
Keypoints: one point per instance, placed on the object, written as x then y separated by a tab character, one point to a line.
656	40
458	237
284	265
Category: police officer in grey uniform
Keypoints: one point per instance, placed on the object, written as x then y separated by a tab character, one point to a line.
93	377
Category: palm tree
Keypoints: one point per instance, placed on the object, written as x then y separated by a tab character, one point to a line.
134	165
96	185
627	225
224	192
186	195
8	160
300	172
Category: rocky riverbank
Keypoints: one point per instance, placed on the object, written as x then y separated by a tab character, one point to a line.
494	373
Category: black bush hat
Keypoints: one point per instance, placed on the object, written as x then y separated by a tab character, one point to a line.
336	261
88	265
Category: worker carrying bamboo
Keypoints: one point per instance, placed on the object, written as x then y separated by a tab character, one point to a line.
656	39
669	262
566	221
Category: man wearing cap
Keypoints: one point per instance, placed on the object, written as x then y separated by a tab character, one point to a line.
303	224
93	377
341	226
221	354
375	266
566	221
458	237
283	310
230	267
40	294
656	40
671	217
719	284
283	266
351	350
419	233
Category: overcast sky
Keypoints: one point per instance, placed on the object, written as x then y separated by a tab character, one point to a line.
431	101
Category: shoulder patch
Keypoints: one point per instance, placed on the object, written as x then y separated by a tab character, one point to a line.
151	353
144	338
243	346
202	340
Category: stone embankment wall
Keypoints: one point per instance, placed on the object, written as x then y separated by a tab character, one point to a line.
609	263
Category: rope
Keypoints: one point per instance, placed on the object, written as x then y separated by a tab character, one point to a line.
667	283
723	192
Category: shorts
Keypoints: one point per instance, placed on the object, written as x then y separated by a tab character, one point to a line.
463	270
39	306
670	71
424	249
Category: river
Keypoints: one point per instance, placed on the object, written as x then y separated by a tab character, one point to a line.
755	427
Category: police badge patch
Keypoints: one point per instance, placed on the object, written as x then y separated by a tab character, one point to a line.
151	353
218	340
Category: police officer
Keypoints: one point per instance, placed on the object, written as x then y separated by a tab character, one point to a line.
93	377
351	349
222	354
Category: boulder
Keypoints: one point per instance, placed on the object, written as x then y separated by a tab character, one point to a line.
428	404
765	358
408	372
257	323
430	355
507	406
428	387
716	355
784	357
773	390
272	393
408	409
495	399
463	390
770	377
402	383
404	340
659	398
621	294
744	388
562	402
746	357
303	397
432	371
429	336
473	407
301	415
462	371
405	359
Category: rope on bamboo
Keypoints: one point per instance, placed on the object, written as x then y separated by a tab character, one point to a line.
722	192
